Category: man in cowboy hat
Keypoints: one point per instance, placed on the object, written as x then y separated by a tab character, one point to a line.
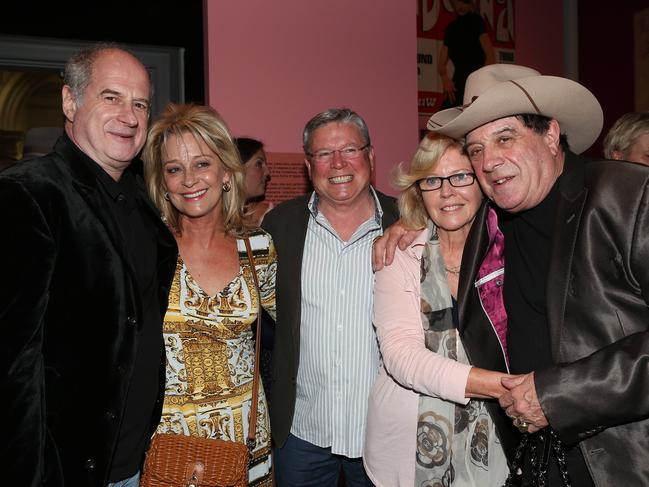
576	286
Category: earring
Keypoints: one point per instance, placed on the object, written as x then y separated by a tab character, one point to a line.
166	195
226	187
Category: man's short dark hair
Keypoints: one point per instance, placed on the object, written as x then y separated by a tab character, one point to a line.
540	125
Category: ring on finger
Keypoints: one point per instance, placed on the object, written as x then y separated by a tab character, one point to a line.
522	425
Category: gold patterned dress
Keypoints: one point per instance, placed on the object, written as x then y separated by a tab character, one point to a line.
210	355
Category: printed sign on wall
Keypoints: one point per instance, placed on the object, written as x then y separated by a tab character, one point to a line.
433	17
288	176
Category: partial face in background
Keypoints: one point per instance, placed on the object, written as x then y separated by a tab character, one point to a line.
193	177
342	179
453	208
638	152
515	166
110	123
257	175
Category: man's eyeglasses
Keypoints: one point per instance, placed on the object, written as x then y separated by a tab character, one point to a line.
346	154
458	180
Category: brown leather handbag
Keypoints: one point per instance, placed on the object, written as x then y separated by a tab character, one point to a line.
190	461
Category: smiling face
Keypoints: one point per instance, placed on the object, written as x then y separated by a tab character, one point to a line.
193	177
109	123
452	208
516	167
340	182
257	175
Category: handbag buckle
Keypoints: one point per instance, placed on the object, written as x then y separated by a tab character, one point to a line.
196	470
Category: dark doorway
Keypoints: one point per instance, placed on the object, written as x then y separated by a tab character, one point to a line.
153	23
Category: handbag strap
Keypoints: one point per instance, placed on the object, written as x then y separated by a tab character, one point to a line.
252	426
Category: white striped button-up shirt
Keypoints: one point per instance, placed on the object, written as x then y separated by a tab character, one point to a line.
339	354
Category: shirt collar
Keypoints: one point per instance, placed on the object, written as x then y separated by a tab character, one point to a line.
125	186
378	211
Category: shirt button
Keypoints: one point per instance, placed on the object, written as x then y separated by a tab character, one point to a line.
131	321
90	464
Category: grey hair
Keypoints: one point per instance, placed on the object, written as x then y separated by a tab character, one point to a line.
624	133
78	69
334	115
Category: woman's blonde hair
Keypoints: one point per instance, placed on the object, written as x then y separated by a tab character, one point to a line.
205	124
411	204
624	133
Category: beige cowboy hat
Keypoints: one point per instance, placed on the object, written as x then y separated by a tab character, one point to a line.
502	90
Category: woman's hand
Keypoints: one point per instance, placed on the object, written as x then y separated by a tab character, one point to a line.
486	384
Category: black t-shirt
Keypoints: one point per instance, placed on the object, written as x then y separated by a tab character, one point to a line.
138	233
528	246
528	241
462	38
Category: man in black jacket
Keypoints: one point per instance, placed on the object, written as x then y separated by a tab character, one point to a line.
88	264
326	355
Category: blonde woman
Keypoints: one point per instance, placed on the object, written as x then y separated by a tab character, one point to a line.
427	424
195	177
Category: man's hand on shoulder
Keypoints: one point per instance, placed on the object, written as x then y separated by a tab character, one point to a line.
385	246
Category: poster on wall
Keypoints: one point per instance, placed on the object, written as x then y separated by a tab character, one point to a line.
433	19
288	176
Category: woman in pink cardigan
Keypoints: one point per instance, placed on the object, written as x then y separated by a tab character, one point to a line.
426	424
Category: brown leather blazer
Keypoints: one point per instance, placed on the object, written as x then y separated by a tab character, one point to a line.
597	394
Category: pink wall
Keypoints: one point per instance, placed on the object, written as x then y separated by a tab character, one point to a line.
539	35
273	65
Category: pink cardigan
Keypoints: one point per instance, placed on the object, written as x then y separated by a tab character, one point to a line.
409	369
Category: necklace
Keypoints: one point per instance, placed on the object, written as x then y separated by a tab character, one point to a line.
453	270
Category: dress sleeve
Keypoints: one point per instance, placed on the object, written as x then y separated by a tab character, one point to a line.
399	330
267	277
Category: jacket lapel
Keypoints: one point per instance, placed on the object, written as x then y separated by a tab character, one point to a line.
167	247
295	270
478	336
86	184
473	254
570	205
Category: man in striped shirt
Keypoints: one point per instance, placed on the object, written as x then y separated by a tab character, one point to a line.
326	354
